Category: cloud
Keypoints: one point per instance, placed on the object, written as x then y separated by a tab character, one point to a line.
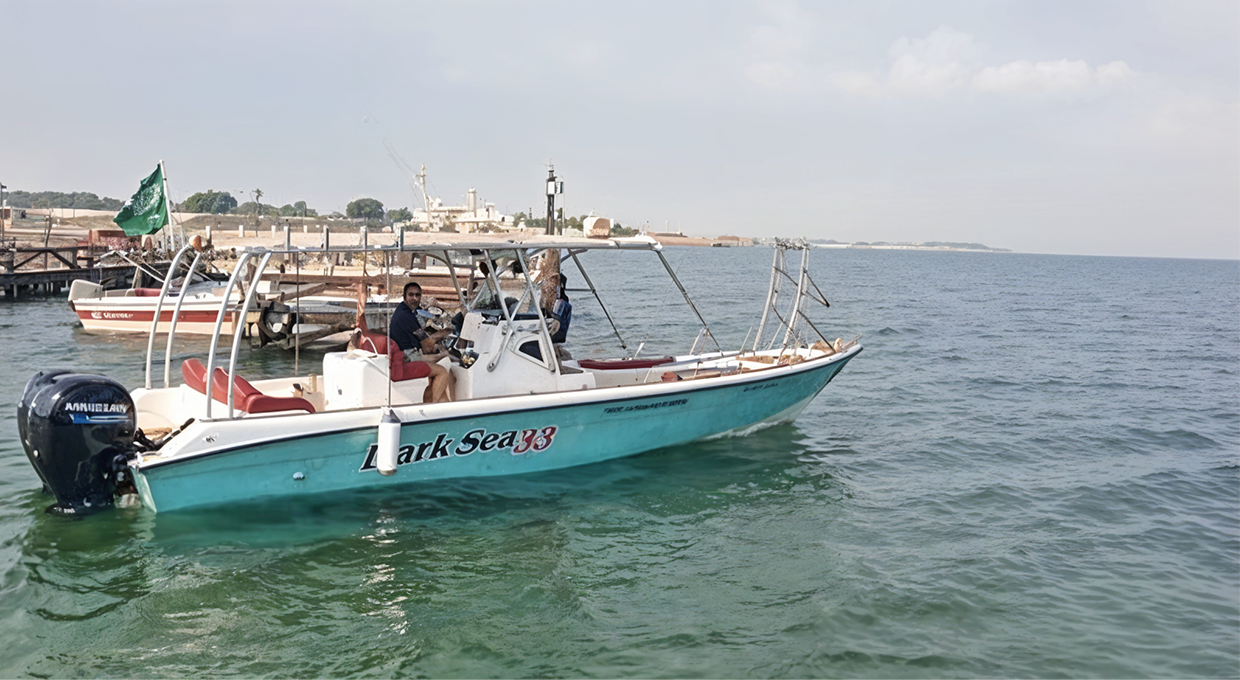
777	53
931	66
1059	77
943	62
1116	74
856	84
773	75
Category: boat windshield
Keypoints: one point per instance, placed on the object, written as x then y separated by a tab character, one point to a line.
490	273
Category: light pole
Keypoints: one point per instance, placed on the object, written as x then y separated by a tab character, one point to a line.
2	188
553	187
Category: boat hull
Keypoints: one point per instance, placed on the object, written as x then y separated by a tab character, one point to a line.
197	317
102	317
514	435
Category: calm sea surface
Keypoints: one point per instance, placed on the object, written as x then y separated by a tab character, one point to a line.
1033	470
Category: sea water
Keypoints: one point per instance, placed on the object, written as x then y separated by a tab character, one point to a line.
1033	470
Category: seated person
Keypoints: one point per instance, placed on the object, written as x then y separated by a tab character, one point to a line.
560	314
558	317
406	332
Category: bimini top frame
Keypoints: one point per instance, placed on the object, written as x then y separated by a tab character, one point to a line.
490	250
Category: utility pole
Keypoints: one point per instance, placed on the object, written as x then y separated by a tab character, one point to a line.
2	211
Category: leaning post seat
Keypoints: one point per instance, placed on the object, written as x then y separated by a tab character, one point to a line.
399	368
246	397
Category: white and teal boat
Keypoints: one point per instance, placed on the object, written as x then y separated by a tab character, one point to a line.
520	406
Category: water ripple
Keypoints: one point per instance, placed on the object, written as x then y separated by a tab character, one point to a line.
1031	472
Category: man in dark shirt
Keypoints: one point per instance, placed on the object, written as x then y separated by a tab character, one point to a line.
560	314
406	331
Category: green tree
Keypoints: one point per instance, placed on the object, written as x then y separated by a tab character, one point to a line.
252	208
365	209
536	223
400	214
297	209
209	201
56	199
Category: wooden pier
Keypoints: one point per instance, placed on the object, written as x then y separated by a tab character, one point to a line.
36	270
344	282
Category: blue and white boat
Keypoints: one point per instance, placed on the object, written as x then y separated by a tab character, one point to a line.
520	405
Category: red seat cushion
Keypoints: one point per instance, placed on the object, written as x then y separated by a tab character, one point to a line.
615	364
374	342
246	397
146	292
402	369
399	368
262	403
194	374
242	389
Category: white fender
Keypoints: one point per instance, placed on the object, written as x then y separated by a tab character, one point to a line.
389	442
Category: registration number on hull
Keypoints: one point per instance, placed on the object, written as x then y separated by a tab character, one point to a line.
516	442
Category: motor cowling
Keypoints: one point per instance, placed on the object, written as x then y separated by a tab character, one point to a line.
78	431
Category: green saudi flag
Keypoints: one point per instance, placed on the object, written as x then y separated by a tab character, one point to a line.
147	211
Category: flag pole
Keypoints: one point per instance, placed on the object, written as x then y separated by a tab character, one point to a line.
171	239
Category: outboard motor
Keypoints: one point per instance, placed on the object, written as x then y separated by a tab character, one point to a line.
78	432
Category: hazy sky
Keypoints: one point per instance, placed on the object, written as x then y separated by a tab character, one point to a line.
1108	128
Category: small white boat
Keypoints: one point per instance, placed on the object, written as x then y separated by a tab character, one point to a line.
361	423
132	310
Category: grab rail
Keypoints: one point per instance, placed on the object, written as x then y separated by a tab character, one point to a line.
236	344
159	305
219	323
794	317
176	315
772	295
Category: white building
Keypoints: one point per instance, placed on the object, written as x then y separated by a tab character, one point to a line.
596	227
465	219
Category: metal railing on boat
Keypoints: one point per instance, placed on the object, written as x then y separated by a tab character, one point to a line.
518	251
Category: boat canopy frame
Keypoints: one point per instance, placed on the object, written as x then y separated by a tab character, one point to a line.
522	252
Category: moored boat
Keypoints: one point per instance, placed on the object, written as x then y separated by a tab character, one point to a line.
132	310
520	404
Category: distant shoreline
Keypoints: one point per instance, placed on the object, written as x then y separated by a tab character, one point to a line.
954	249
73	224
